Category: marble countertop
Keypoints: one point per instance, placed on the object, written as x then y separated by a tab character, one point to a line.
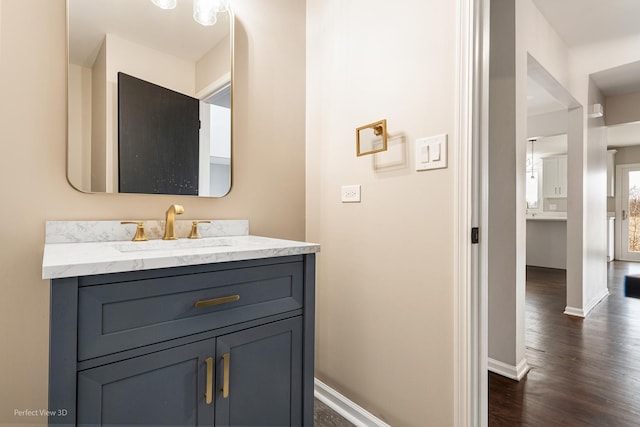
85	248
546	217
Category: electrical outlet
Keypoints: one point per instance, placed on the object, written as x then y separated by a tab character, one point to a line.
350	194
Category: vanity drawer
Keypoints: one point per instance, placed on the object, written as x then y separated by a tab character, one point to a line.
128	314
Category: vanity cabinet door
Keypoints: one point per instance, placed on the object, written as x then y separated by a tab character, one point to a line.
163	388
261	384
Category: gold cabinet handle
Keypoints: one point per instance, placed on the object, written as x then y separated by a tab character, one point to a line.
225	377
208	394
217	301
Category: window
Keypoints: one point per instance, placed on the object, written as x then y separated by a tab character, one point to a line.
532	190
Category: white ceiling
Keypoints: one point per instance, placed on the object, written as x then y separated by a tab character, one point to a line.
140	21
580	22
540	101
620	80
583	22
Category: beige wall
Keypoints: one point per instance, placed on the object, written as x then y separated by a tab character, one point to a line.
542	41
79	153
213	66
385	286
152	65
628	155
268	180
621	109
99	121
547	124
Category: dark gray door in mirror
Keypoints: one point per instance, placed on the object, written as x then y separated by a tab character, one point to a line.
167	48
158	139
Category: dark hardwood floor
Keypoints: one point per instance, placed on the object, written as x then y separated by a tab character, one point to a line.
584	372
323	416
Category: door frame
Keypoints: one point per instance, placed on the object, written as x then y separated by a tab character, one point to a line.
620	170
470	389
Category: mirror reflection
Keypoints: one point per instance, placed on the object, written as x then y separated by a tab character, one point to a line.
150	96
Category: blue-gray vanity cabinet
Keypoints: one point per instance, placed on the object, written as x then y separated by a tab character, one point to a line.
265	372
122	314
162	388
129	348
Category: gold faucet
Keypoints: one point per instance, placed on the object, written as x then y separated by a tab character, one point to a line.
170	222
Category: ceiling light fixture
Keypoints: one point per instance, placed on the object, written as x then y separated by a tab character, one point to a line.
205	12
223	5
165	4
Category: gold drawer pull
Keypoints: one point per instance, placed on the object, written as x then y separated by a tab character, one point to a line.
217	301
225	378
209	391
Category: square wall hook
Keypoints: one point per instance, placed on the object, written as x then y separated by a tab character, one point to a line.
371	138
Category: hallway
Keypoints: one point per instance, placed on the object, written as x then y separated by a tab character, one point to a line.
583	372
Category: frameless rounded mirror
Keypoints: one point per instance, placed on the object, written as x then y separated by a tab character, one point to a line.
149	97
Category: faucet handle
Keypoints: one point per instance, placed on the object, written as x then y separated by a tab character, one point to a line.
140	236
194	229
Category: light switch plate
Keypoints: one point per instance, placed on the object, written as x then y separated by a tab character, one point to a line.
350	194
431	153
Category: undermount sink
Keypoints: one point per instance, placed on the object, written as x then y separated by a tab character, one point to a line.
169	245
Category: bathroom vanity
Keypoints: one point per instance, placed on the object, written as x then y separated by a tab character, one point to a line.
215	332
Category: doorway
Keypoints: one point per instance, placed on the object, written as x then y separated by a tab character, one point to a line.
629	212
587	145
215	142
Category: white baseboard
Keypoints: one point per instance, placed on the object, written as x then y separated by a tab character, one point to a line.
345	407
514	372
575	312
584	312
597	300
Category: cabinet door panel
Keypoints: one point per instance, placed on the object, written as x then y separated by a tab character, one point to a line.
164	388
265	376
562	177
550	177
554	177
